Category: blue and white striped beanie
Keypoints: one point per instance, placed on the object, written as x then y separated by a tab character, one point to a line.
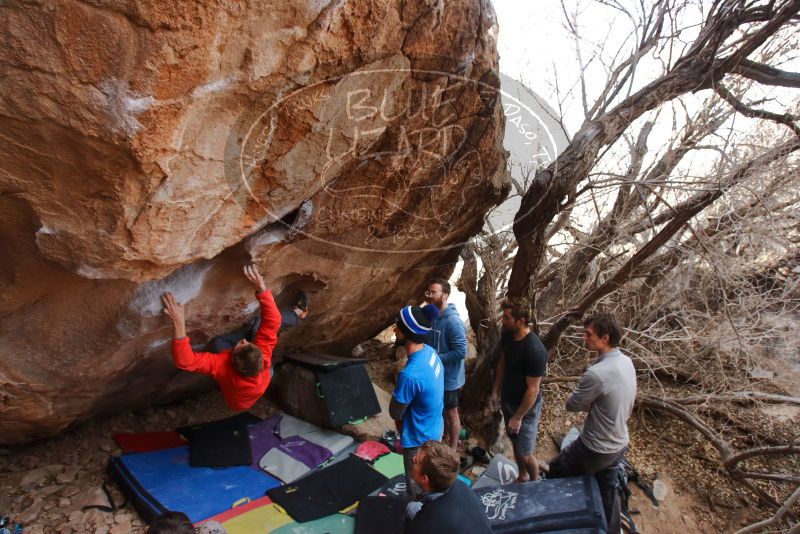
415	322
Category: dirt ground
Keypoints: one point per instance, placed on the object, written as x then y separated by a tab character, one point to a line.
45	484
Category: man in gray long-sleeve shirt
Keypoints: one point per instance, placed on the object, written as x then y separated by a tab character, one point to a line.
606	391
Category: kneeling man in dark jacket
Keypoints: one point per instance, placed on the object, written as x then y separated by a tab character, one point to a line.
447	504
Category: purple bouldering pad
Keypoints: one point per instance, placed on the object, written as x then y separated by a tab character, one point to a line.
293	458
263	437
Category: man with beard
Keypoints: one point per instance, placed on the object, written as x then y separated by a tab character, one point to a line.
520	367
449	339
418	398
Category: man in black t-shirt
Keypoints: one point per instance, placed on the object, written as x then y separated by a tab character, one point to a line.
518	375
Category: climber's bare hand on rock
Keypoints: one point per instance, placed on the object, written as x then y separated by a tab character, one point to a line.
252	274
174	311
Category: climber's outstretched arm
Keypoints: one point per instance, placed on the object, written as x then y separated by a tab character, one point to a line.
267	335
175	312
182	354
254	277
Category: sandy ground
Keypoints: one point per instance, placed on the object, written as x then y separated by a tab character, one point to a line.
45	484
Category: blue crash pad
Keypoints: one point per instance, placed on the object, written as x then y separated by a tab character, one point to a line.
164	479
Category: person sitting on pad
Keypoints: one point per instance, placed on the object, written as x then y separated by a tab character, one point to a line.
446	504
243	371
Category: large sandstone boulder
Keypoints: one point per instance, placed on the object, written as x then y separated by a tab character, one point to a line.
347	147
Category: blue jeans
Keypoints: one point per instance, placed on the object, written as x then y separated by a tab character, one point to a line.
228	341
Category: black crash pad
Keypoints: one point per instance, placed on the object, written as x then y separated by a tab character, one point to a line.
552	505
322	362
328	490
220	448
239	421
385	515
348	394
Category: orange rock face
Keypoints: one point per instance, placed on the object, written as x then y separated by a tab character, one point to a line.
347	148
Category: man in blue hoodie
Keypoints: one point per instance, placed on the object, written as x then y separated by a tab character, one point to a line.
449	339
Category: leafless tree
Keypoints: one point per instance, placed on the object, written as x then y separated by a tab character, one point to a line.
683	237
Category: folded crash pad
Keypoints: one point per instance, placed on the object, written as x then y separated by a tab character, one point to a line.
371	450
220	448
163	480
342	455
348	394
292	458
294	426
327	398
239	421
551	505
299	447
328	490
384	515
263	437
333	441
148	441
500	471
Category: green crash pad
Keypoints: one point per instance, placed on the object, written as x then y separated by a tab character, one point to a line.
332	524
390	465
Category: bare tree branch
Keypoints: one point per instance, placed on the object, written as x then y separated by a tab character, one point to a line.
766	74
760	526
741	107
631	267
733	460
699	67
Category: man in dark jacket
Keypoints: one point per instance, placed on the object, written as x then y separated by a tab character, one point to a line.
449	339
447	504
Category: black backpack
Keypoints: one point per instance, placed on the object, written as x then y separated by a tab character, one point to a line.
625	474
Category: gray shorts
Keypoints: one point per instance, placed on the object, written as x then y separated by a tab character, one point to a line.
524	441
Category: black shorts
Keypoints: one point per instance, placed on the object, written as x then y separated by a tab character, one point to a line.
451	398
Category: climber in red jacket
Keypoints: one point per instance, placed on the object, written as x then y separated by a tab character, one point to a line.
243	371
